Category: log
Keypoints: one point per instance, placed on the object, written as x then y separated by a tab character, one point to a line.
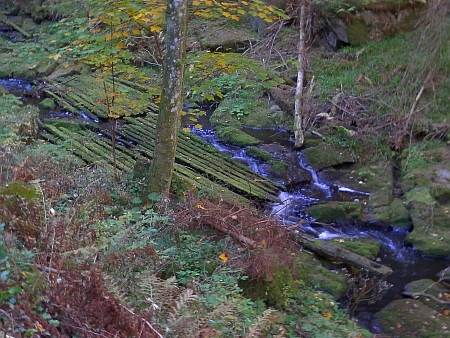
327	249
13	25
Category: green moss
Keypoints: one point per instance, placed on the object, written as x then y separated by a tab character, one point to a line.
47	104
332	211
235	136
362	246
19	188
258	154
358	31
275	289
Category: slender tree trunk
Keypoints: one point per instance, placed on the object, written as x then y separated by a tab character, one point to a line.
299	90
159	176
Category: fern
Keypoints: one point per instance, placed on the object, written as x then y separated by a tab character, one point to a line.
263	323
175	313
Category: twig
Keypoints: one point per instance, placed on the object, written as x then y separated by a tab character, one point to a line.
48	269
416	295
144	320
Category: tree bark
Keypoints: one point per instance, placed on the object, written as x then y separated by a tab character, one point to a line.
159	177
299	90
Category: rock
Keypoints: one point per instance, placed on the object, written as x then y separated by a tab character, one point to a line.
325	155
411	318
235	136
332	211
430	287
47	103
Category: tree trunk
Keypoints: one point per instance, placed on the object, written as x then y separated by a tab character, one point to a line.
299	90
159	177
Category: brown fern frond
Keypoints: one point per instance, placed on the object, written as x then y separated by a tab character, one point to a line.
184	299
268	318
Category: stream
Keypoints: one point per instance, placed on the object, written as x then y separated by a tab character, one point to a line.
407	263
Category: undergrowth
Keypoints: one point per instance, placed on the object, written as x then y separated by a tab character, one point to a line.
79	259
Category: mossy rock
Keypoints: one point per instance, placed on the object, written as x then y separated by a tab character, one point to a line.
252	111
47	103
357	31
258	154
431	227
277	169
333	282
235	137
430	287
396	214
275	289
366	247
326	155
332	211
411	318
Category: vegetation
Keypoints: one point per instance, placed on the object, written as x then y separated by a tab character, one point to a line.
83	254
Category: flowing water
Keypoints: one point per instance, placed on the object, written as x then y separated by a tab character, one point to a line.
407	263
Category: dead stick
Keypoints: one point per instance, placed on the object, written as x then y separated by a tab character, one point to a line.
416	295
13	25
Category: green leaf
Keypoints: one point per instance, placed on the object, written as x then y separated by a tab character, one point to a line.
154	197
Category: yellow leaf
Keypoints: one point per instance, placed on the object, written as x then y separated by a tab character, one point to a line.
155	28
186	130
234	17
126	34
54	56
198	126
120	44
326	314
136	31
199	206
224	257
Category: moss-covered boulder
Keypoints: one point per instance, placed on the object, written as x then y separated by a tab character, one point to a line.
396	214
328	155
333	282
333	210
432	288
407	318
47	103
275	289
426	184
234	136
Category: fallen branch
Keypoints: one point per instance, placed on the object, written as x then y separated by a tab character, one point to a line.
144	320
416	295
327	249
250	242
13	25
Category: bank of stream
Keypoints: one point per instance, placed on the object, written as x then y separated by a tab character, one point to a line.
407	263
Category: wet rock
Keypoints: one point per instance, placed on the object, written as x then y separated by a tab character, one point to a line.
234	136
326	155
47	103
332	211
